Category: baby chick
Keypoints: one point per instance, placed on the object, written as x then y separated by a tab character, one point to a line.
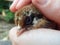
29	18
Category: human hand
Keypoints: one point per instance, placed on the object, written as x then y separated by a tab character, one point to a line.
35	37
50	8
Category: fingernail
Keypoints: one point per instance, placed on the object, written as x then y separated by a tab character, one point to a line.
42	2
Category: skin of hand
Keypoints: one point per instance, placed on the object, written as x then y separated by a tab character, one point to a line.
50	9
35	37
18	4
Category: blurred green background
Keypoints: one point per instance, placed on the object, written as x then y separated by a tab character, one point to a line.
5	13
6	21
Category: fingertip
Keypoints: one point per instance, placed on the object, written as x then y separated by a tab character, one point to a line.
22	3
12	8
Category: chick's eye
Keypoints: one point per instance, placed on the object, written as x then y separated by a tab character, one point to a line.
28	20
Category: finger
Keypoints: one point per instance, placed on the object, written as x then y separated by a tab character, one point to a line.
50	8
22	3
13	6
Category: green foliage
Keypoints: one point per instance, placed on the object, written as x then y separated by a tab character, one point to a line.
0	10
4	5
9	16
2	0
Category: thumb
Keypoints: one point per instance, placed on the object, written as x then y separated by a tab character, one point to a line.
50	8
